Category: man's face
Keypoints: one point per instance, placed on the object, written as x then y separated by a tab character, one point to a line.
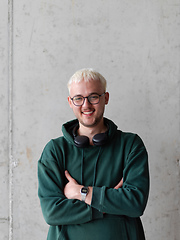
88	115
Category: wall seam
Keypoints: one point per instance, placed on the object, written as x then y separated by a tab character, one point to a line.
10	112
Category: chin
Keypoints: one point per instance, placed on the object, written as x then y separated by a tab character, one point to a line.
91	123
86	124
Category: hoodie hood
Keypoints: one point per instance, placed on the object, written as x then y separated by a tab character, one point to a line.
68	127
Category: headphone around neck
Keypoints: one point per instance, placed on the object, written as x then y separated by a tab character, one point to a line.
83	141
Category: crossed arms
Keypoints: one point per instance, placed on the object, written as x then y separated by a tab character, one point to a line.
72	189
60	200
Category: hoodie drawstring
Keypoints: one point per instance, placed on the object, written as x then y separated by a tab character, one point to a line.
82	167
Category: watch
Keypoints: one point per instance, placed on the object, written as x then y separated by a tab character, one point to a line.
84	193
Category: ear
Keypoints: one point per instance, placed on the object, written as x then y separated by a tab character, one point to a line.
70	102
106	98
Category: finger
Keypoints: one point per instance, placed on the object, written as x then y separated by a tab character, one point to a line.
68	176
116	187
119	185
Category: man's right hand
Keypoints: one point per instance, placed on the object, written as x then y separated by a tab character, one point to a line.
119	185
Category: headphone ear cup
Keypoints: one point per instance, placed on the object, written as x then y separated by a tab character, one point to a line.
81	141
100	139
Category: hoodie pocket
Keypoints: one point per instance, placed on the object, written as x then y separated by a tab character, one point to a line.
101	229
115	228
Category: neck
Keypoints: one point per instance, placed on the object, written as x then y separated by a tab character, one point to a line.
91	131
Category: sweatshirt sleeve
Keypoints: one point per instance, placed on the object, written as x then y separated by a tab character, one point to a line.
131	199
56	208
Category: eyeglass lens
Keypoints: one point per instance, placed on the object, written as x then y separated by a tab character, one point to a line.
79	100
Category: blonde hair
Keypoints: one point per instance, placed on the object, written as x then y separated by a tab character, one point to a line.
87	74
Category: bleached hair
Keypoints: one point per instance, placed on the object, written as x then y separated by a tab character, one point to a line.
87	74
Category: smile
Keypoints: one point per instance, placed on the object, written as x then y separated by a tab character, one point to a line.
88	113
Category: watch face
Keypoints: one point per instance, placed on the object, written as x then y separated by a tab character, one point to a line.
84	190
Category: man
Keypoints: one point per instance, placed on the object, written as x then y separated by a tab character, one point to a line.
93	181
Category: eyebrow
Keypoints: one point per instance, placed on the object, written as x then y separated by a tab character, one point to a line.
87	96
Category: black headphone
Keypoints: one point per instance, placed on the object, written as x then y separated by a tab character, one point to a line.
83	141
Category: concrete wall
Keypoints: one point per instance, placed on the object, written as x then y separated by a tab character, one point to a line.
135	44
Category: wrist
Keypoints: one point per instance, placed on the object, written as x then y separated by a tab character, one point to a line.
89	196
84	192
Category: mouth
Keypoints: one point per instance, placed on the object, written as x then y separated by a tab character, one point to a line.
88	113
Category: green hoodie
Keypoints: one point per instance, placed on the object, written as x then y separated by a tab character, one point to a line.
114	213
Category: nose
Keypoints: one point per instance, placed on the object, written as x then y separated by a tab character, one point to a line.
86	102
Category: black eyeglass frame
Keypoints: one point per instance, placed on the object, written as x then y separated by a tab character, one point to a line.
78	105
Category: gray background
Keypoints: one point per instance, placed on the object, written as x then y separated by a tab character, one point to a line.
135	45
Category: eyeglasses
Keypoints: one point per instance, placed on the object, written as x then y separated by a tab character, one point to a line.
93	98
